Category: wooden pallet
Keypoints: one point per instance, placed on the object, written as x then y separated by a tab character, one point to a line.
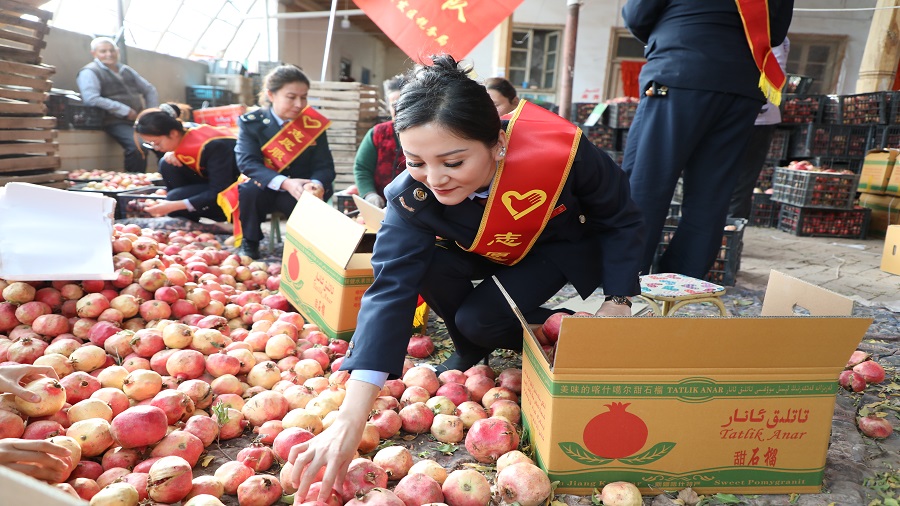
22	40
54	179
14	76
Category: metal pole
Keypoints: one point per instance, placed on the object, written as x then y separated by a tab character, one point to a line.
268	31
570	36
328	38
120	33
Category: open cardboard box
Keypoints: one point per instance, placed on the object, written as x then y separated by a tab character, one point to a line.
327	263
876	170
741	405
49	234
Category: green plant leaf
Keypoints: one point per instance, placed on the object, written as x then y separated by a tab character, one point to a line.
581	455
658	451
447	448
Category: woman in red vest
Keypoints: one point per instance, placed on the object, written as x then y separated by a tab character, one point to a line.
379	158
199	163
529	202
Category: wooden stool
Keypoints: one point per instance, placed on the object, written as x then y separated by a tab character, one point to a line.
675	291
274	229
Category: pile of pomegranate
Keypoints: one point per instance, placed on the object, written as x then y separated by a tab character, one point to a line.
860	372
192	345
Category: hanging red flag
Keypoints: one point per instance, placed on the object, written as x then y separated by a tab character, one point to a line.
425	27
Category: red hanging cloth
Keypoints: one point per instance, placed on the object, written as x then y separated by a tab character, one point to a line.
631	70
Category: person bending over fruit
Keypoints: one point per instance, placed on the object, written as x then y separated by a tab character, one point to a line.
529	201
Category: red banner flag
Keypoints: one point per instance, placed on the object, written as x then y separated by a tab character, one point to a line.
425	27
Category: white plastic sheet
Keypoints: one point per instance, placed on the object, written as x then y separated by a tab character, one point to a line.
49	234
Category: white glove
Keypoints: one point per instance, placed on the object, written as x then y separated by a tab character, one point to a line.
375	199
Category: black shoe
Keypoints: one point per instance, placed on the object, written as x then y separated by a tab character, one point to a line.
465	361
250	249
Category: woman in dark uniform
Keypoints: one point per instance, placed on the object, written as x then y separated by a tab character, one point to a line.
198	165
557	211
284	151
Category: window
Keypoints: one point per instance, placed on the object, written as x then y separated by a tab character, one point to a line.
623	47
534	58
819	57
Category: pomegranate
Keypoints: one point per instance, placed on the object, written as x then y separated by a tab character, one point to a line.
414	394
28	312
86	469
52	397
523	483
231	474
364	475
416	418
88	358
257	457
469	412
186	364
302	418
510	458
115	398
18	293
93	435
850	380
204	427
139	426
175	404
490	438
376	497
875	426
615	433
423	377
179	443
89	408
43	429
466	487
455	392
286	440
231	423
91	305
142	384
208	485
478	385
139	482
420	346
50	325
511	379
259	490
204	500
418	489
116	494
870	370
86	488
120	457
387	422
395	460
621	493
11	425
506	409
447	428
170	479
111	475
550	328
263	407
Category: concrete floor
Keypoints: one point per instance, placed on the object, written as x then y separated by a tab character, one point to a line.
850	267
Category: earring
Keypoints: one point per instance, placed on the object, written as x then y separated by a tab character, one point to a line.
502	152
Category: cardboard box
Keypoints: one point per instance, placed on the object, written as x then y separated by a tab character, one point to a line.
19	488
885	212
893	184
876	170
890	259
74	240
740	405
326	265
225	116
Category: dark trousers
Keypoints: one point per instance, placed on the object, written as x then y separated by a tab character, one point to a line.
183	183
256	203
749	168
123	133
700	136
479	318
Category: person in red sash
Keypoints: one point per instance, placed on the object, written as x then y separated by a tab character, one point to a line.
198	165
709	69
379	158
281	153
557	211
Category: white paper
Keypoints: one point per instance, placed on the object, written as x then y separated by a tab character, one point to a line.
48	234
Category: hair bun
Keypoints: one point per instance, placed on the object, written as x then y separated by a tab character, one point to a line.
170	109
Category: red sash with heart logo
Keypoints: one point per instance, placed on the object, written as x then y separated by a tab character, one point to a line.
190	149
527	184
293	138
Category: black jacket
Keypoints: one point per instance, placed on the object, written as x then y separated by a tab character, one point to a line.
700	44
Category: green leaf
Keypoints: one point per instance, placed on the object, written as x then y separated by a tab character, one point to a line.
581	455
447	448
658	451
727	498
794	498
